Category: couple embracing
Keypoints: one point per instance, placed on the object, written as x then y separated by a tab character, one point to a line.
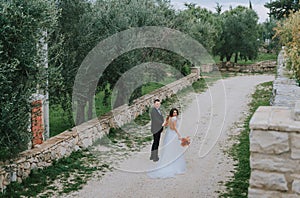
172	161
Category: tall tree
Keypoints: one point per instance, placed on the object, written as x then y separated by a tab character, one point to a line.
75	26
200	23
282	8
239	35
21	25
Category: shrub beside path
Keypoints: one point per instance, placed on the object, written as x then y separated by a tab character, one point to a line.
210	118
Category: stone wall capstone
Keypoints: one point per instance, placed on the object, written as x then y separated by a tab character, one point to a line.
84	135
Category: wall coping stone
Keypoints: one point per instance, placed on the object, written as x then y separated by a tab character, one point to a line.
275	118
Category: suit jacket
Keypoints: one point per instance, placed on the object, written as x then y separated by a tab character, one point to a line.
156	120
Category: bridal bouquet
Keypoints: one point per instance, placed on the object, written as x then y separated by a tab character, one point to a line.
185	141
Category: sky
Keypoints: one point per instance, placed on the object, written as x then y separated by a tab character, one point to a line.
257	5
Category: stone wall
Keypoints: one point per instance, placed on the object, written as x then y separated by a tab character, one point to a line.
285	90
85	134
274	142
275	152
263	66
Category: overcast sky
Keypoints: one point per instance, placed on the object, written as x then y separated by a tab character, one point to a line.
258	5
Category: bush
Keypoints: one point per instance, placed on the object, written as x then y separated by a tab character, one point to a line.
21	23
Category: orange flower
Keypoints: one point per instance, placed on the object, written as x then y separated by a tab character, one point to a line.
185	141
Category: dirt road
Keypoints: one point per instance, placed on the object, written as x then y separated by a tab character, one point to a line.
209	119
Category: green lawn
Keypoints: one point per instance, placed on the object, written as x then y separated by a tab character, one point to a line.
59	120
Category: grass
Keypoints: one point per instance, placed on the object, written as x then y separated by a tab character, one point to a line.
59	120
42	180
237	187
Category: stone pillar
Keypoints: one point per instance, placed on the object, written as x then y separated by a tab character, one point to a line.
195	70
37	119
275	152
207	68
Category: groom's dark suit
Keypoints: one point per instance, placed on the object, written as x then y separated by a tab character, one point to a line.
156	128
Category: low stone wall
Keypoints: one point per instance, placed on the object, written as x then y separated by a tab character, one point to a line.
274	142
85	134
263	66
275	152
285	90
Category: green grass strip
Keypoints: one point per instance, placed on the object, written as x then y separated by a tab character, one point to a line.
237	186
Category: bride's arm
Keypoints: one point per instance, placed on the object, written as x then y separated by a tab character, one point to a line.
173	127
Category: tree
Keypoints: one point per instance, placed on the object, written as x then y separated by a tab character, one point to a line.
289	35
74	25
239	35
84	24
200	23
267	32
282	8
21	27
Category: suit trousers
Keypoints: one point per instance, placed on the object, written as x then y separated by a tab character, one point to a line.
155	144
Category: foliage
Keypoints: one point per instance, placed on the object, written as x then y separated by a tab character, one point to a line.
239	35
267	32
22	25
289	35
199	23
73	35
282	8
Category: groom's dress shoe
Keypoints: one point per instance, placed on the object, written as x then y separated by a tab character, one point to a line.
155	159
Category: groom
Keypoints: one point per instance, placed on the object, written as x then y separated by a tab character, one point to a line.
156	129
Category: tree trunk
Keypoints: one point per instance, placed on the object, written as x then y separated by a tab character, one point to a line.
236	57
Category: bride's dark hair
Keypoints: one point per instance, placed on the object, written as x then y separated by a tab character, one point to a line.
172	111
171	115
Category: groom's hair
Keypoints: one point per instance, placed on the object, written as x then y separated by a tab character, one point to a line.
156	100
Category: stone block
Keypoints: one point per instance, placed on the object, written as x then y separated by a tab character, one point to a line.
259	193
296	186
279	163
271	142
26	165
62	151
280	118
296	111
295	146
1	183
259	119
33	166
268	180
13	176
274	118
86	143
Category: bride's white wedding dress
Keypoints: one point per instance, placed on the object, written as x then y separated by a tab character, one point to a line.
172	160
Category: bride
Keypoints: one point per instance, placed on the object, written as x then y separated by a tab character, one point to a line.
172	161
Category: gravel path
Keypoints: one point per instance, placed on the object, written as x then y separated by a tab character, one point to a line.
210	119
